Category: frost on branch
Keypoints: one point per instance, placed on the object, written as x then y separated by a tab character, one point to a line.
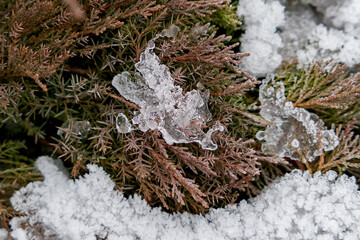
294	132
178	117
296	206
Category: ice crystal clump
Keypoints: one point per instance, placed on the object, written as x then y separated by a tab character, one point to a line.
308	31
170	32
296	206
163	106
294	132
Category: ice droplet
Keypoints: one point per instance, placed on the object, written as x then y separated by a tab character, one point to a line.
295	143
260	135
122	124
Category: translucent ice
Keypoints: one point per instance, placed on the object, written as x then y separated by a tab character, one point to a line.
293	132
171	32
180	118
80	128
122	124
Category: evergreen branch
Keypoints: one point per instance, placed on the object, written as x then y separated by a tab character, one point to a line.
320	87
346	155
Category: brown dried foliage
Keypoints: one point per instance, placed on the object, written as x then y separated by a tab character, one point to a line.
199	8
39	36
188	177
178	177
5	96
197	47
206	51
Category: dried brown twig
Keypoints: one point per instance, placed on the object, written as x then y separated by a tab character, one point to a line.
208	49
199	8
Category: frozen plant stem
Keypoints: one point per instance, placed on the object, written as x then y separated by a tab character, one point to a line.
180	118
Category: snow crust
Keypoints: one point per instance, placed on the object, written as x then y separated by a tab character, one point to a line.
296	206
308	31
3	234
294	132
178	117
261	39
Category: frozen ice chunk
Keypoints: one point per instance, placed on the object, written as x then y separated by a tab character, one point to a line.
293	132
296	206
329	140
295	143
199	30
180	118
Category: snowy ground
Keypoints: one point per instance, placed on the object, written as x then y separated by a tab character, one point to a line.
303	30
296	206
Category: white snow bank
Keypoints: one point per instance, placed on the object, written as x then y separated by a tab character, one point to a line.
296	206
261	39
312	31
3	234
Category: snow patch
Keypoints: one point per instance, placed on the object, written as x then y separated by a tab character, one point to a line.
296	206
308	31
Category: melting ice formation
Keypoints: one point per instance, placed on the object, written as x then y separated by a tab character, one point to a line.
178	117
294	132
